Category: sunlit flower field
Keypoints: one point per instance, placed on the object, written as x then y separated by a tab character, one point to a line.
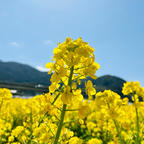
63	116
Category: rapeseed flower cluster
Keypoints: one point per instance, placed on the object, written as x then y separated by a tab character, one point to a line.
63	116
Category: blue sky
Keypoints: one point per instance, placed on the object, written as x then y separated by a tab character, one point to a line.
30	30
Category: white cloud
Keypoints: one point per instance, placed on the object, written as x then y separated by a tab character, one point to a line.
48	42
42	69
15	44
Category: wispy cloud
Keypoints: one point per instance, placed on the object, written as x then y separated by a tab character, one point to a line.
42	69
15	44
48	42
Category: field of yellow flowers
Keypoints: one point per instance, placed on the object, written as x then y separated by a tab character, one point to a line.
63	116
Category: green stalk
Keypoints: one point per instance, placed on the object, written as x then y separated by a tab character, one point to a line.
118	132
63	110
137	122
31	130
117	128
137	125
60	124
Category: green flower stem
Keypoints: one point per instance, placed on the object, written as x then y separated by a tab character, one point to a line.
55	98
137	121
31	130
117	128
63	110
70	77
118	132
137	125
60	124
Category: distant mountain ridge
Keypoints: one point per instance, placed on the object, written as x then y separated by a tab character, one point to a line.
108	82
22	73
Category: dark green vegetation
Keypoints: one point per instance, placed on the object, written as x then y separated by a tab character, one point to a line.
12	73
21	73
108	82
